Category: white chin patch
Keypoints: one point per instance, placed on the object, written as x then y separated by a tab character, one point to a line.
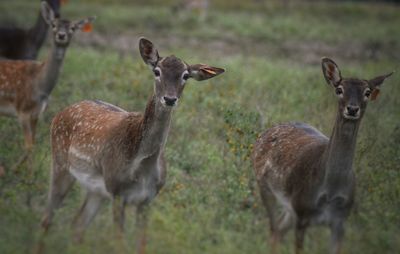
350	117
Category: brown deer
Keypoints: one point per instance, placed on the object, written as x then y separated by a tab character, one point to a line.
115	154
21	44
25	85
309	175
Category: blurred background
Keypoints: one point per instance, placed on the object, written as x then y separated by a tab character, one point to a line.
271	51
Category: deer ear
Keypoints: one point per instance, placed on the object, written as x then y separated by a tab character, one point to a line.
375	84
84	24
47	13
331	72
148	52
202	71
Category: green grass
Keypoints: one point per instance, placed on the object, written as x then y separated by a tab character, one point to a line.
208	205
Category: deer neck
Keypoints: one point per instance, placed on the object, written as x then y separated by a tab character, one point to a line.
37	35
49	76
155	128
338	157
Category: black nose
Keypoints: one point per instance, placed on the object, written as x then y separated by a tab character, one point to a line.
353	110
61	36
170	101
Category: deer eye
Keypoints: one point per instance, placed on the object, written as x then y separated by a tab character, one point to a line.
367	93
339	91
185	76
157	72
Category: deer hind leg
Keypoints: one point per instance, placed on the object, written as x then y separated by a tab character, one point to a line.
85	215
29	127
141	228
61	182
269	203
119	215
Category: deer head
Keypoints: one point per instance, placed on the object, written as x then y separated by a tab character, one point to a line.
63	30
353	94
171	73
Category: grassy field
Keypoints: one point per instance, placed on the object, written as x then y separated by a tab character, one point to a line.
271	53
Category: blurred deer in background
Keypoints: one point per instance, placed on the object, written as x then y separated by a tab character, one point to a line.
197	7
17	43
115	154
25	85
309	175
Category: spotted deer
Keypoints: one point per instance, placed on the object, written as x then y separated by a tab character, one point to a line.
115	154
22	44
25	85
308	174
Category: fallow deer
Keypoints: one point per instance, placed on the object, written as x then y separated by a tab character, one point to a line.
115	154
22	44
25	85
308	174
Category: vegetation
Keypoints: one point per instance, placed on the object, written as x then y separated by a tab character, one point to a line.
210	203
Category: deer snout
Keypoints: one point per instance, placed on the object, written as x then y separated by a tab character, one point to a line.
170	101
61	36
352	110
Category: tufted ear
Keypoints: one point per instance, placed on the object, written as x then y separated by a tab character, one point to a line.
84	24
375	84
202	71
47	13
148	52
331	72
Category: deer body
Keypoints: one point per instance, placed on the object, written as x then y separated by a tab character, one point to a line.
25	85
24	44
117	154
308	174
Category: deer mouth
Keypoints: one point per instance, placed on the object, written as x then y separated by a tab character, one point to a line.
351	116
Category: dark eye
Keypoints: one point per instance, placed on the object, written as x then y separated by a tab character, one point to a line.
157	73
367	93
339	91
185	76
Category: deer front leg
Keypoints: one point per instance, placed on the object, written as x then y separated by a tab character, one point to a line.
337	234
299	235
119	215
141	227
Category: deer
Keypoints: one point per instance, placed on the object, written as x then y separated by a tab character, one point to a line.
308	175
25	85
198	7
115	154
24	44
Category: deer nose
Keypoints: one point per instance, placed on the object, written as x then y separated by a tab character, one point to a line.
353	110
61	36
170	101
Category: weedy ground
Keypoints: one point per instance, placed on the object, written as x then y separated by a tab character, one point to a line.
210	203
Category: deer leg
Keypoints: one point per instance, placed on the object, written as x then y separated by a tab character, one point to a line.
119	215
269	203
29	132
61	182
85	215
141	228
299	235
337	234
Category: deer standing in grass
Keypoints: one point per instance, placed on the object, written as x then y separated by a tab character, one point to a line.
17	43
25	85
309	175
115	154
